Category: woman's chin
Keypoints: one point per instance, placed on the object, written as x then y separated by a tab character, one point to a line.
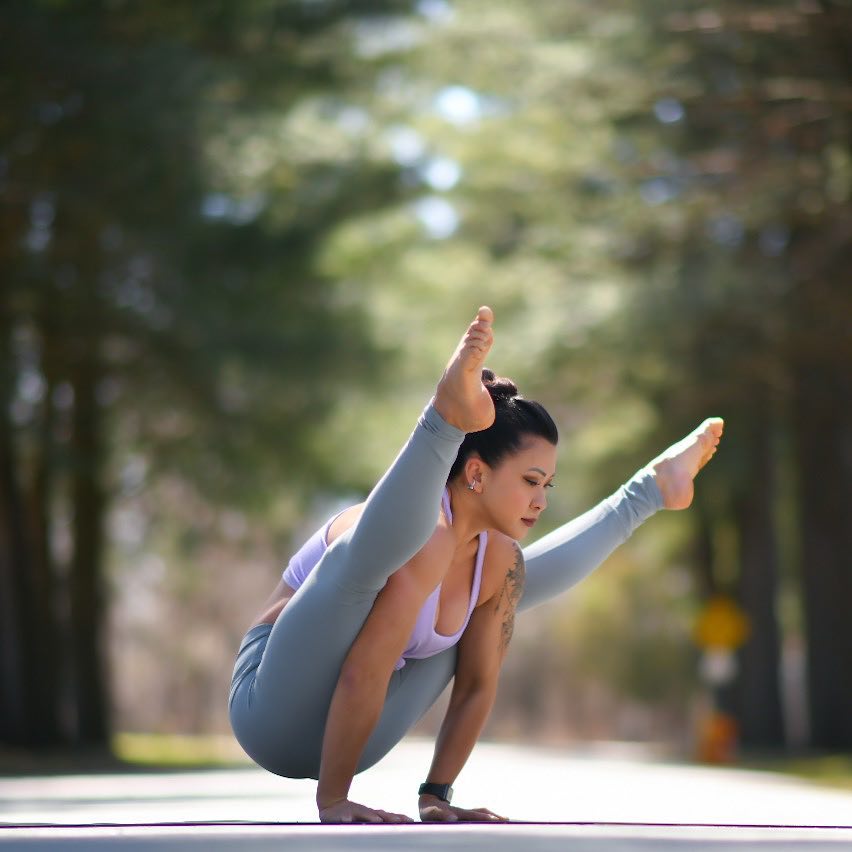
520	532
516	531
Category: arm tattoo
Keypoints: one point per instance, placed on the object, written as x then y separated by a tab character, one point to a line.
513	588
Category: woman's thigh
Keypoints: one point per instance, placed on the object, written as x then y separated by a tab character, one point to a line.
286	738
286	675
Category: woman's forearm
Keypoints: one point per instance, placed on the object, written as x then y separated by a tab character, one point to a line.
462	725
354	711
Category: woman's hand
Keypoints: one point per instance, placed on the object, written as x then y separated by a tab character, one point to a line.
433	809
345	811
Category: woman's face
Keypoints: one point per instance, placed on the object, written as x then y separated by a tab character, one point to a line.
515	491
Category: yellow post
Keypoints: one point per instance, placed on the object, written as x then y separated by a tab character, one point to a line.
721	628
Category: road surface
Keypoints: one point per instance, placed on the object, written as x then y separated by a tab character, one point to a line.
600	801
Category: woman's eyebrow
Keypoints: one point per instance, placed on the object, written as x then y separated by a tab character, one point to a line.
537	470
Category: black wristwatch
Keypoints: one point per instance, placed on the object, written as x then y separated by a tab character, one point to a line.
440	791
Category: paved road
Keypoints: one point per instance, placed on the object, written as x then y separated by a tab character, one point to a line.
680	807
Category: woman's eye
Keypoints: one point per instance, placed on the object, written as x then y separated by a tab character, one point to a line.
534	483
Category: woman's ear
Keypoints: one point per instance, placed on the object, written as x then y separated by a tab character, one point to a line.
474	469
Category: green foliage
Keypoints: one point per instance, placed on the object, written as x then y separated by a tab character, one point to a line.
657	203
161	297
257	227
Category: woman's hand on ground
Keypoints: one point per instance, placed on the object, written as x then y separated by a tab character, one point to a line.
345	811
433	809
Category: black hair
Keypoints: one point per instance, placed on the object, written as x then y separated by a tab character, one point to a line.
515	418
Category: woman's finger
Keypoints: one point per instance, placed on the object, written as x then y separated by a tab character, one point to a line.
387	816
482	815
367	816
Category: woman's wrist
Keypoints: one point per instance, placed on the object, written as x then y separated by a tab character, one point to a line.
326	799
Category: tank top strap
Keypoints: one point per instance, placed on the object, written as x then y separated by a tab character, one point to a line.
480	558
477	573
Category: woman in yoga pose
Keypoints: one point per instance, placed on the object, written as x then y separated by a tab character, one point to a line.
419	585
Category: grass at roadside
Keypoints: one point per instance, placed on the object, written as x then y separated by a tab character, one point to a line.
127	753
832	770
179	751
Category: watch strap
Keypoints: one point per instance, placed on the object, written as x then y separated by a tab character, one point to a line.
440	791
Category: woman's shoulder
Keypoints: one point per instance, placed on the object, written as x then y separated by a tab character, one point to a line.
502	556
502	549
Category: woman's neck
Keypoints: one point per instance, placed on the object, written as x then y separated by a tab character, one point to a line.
468	518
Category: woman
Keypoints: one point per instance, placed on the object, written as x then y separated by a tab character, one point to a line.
419	585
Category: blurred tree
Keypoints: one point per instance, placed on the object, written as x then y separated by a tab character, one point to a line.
656	201
158	231
752	156
690	170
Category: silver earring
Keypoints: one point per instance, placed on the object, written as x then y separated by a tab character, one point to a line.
472	486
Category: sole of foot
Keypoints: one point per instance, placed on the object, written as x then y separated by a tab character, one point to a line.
676	468
461	398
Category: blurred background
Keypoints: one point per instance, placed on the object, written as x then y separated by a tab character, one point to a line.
238	242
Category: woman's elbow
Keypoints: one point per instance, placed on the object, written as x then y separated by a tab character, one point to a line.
478	684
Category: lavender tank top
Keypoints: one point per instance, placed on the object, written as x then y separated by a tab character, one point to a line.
424	641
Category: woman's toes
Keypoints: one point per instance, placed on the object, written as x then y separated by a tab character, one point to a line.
485	314
461	398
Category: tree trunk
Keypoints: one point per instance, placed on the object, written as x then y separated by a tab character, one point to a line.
14	727
17	629
759	691
823	432
45	674
86	591
822	423
702	554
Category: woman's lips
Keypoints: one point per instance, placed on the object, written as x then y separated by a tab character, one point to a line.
530	522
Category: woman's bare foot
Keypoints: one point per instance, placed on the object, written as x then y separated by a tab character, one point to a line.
678	465
461	398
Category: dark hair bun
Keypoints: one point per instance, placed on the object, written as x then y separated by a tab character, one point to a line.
499	386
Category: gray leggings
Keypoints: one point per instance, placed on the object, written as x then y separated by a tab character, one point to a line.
286	673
